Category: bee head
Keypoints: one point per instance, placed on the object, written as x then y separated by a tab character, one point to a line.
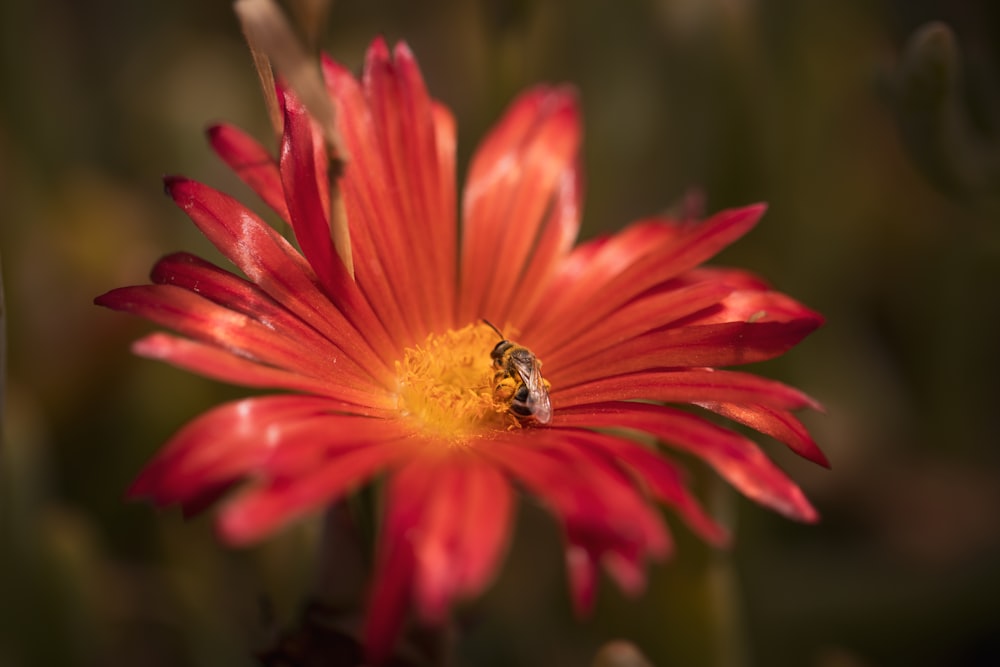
500	349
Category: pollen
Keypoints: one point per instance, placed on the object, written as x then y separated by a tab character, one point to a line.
446	385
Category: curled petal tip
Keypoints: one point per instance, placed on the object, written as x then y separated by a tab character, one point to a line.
235	529
378	50
151	346
402	51
800	509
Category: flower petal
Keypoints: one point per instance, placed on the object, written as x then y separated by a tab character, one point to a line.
654	311
639	258
223	445
464	524
265	508
753	305
239	334
396	561
303	166
601	510
218	364
395	190
700	385
230	291
663	480
513	182
779	424
712	345
405	123
252	163
558	233
736	458
268	260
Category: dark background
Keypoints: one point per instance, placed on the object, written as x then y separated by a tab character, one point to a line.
883	176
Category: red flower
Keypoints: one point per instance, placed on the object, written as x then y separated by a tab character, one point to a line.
390	371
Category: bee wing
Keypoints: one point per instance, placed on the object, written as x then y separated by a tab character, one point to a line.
538	396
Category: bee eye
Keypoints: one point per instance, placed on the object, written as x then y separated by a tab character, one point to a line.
500	348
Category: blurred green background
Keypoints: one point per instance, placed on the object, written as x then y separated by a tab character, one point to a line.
881	164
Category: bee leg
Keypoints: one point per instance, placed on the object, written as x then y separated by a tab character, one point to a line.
505	389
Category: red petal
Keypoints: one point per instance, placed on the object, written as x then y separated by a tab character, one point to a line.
779	424
656	310
218	364
260	511
377	260
230	291
591	495
304	176
745	305
512	184
641	257
662	479
683	386
581	569
464	523
252	163
405	124
396	253
730	344
192	315
558	233
272	264
390	600
734	457
396	561
445	134
223	445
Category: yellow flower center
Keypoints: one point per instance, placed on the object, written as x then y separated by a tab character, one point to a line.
446	385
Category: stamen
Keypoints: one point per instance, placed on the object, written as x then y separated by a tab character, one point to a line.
446	385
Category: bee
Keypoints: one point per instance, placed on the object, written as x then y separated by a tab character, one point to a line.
518	380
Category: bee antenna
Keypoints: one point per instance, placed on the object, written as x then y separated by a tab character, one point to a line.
491	326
